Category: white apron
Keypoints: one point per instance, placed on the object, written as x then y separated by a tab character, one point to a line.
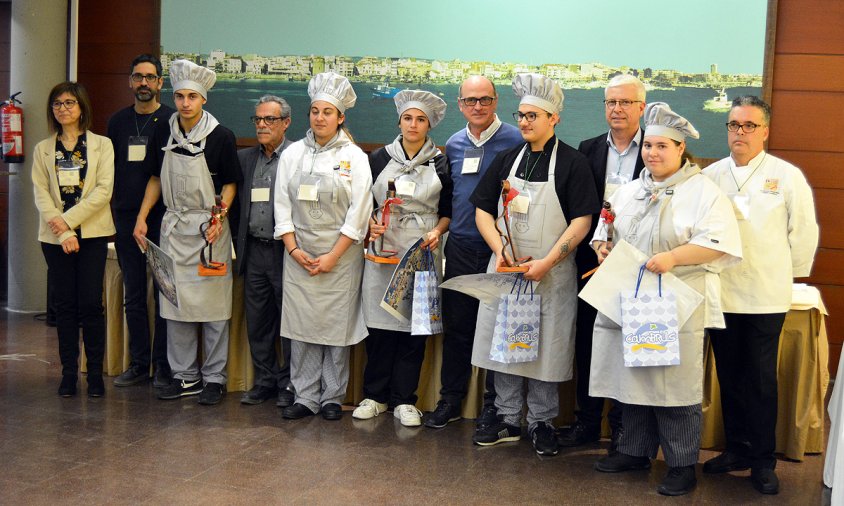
408	222
188	193
322	309
651	229
534	234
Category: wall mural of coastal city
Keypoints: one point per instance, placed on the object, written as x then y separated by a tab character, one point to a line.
692	55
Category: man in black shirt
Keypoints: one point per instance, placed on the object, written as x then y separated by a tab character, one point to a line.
138	132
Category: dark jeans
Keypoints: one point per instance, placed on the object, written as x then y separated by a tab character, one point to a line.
746	362
76	282
393	362
460	314
133	265
262	305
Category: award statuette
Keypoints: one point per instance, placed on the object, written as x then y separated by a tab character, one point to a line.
209	267
607	217
508	193
379	254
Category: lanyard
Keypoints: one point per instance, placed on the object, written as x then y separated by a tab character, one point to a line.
145	124
740	186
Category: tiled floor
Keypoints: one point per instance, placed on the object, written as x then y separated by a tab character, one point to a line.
129	448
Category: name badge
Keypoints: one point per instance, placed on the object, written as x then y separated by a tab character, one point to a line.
472	159
308	192
68	173
138	148
404	187
520	204
261	194
741	205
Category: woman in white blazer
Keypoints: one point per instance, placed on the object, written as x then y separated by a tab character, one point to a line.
72	176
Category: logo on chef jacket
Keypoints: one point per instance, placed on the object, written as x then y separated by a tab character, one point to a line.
525	336
651	337
344	168
772	185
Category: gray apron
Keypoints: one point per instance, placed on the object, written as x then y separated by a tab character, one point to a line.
650	228
408	222
188	194
534	234
322	309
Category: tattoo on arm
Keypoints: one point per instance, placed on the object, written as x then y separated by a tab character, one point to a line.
565	249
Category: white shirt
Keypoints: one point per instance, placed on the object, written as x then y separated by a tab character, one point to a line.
779	232
486	134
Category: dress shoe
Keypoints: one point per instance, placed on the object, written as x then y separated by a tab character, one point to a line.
296	411
332	411
724	463
765	480
678	481
577	435
96	388
132	376
286	396
67	388
257	395
619	462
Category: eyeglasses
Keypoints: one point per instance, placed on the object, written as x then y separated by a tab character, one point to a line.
140	77
268	120
748	128
68	104
472	101
624	104
530	117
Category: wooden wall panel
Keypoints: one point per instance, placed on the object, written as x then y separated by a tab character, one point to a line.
830	210
810	27
808	72
833	299
822	169
803	121
828	267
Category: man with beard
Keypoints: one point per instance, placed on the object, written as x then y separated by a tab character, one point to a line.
138	132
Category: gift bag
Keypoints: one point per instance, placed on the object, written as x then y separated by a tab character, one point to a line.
515	337
649	327
426	315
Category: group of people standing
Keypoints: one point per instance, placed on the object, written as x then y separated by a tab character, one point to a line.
301	214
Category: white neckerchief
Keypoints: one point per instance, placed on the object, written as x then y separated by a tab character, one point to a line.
397	154
206	124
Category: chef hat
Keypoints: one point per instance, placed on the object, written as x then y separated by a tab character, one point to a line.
538	90
662	121
334	89
432	105
186	75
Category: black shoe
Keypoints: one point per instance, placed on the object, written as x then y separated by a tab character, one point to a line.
162	376
286	396
619	462
67	388
765	480
544	440
497	433
211	394
332	411
257	395
96	388
131	376
726	462
442	415
488	416
578	434
615	439
180	388
296	411
678	481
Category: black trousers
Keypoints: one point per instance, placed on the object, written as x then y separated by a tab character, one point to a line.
393	362
133	265
262	306
460	314
76	282
746	362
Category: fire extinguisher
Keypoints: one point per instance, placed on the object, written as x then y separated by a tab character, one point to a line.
11	123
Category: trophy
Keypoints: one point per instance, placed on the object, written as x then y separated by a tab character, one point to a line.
508	193
208	267
376	252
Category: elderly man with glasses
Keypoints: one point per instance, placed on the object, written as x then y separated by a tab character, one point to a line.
259	257
138	133
779	234
470	152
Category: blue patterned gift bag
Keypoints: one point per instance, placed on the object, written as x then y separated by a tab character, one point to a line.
426	315
649	326
515	337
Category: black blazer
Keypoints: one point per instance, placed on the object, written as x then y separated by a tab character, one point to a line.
248	158
596	149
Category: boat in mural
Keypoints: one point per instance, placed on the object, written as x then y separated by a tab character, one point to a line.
719	103
384	91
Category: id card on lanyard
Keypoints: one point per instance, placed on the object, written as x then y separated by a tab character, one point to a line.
69	173
138	148
472	159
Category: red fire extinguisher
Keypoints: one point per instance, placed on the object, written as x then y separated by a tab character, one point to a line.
11	123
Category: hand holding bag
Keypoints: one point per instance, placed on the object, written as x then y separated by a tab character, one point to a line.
649	327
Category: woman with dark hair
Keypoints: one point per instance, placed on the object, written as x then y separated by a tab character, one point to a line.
72	176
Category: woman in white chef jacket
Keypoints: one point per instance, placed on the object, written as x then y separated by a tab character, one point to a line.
685	224
422	181
322	208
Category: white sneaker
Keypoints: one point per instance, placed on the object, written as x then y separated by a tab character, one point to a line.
408	415
368	409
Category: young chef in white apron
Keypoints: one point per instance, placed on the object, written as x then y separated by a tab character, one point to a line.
198	151
685	224
420	172
322	208
556	202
